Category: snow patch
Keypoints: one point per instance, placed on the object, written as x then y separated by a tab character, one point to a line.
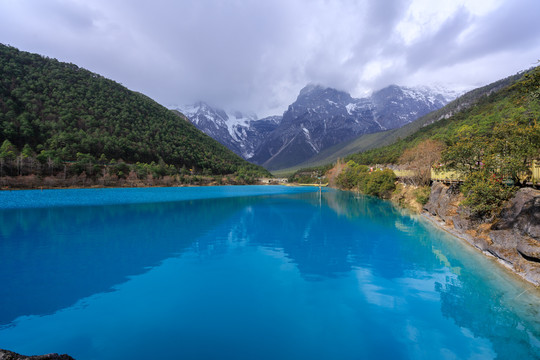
331	102
378	123
237	120
190	111
350	108
413	94
307	134
313	147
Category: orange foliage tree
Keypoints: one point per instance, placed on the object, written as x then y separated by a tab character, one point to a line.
421	158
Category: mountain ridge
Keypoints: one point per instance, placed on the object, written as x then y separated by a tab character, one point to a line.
239	132
319	118
322	117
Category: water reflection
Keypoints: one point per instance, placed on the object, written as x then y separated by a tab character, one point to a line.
330	241
48	253
386	245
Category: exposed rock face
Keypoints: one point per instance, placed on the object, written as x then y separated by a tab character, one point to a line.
319	118
443	201
522	214
242	133
513	237
322	117
9	355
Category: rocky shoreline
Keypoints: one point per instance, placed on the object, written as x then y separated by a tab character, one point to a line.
9	355
513	238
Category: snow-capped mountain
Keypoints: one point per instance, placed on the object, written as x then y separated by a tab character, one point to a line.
395	106
319	118
322	117
241	133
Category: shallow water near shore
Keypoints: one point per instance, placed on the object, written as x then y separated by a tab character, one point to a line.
248	272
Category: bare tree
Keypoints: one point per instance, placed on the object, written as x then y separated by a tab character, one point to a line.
421	158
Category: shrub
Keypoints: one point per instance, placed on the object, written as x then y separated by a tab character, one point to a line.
351	176
422	194
485	193
377	183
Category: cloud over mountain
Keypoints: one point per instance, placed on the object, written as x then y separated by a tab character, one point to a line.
256	55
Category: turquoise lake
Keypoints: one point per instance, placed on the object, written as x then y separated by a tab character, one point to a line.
248	272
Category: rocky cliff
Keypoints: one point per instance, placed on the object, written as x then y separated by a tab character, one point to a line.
513	237
242	133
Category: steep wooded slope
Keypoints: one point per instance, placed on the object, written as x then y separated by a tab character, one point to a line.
59	108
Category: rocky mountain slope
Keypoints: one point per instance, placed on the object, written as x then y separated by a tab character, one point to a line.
319	118
322	117
242	133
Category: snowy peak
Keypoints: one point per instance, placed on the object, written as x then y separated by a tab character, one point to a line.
319	118
204	115
240	132
395	106
200	113
313	96
309	88
447	94
419	94
322	117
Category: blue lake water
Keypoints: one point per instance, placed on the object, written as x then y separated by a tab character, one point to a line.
259	272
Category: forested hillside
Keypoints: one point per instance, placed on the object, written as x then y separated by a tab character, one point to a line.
53	112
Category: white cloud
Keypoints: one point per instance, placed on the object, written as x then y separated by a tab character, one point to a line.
256	55
425	16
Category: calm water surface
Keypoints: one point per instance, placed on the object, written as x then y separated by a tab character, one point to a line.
248	273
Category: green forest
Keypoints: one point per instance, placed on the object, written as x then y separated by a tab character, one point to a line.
56	116
375	182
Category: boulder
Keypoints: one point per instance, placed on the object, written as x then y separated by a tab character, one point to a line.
529	249
522	214
443	201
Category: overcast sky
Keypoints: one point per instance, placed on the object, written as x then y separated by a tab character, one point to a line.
256	55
